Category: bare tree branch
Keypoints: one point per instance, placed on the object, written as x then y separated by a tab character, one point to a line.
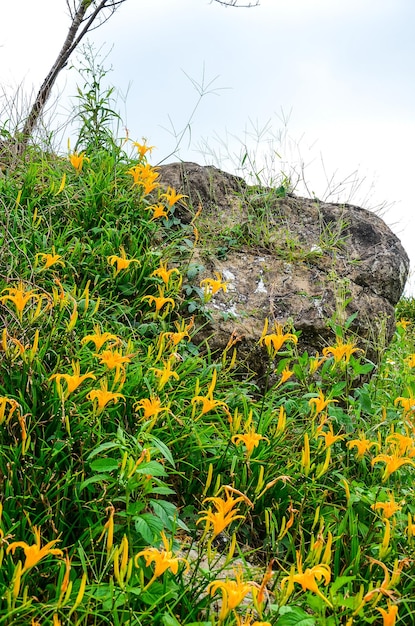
83	14
236	3
82	21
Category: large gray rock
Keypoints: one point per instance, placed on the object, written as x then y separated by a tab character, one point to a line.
290	259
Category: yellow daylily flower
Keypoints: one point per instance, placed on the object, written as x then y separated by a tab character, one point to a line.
233	592
250	440
315	363
308	579
72	380
114	359
341	351
160	301
389	615
392	463
144	176
320	403
50	259
274	341
143	148
362	445
10	405
121	262
172	197
165	373
213	285
285	375
164	273
98	338
403	323
225	512
387	508
208	402
410	360
77	160
408	404
151	406
20	297
181	333
329	437
35	552
402	444
163	559
159	210
101	397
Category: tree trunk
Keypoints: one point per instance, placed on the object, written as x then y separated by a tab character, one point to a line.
71	42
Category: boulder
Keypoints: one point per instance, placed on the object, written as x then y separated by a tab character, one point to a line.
296	261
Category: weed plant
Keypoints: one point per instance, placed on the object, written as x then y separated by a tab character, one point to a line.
142	482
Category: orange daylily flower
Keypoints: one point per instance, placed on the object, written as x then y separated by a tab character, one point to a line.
362	445
99	338
21	297
114	359
151	406
101	397
341	351
142	148
208	402
387	508
163	559
250	440
121	262
164	273
159	210
212	285
225	512
77	160
35	552
165	373
329	437
50	259
308	579
172	197
274	341
408	404
392	463
72	380
160	301
320	402
233	592
389	615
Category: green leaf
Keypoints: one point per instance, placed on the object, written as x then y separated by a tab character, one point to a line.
166	511
104	465
294	616
152	468
104	446
161	447
169	620
162	490
93	479
339	582
148	526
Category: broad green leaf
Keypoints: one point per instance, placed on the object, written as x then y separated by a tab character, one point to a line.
148	526
104	465
294	616
153	468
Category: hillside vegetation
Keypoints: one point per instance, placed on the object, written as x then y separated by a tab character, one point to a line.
143	479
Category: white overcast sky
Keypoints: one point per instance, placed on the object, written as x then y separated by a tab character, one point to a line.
339	72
